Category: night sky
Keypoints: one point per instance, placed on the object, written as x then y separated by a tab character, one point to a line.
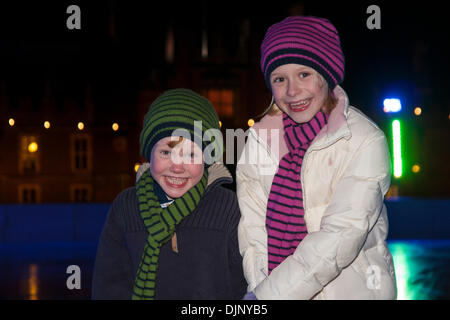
35	42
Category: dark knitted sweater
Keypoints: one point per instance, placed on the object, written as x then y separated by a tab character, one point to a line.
207	266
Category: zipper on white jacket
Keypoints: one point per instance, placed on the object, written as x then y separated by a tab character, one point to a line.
265	146
308	151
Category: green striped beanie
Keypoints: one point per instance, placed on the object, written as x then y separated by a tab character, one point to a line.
181	109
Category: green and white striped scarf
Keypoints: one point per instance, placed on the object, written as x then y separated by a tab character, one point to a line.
160	224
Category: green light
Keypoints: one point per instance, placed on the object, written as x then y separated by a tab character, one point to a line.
403	272
415	274
397	145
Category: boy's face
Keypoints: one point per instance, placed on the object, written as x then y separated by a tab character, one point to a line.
299	91
177	169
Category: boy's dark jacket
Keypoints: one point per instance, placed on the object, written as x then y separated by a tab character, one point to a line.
208	264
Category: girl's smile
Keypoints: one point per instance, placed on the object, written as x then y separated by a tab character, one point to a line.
300	105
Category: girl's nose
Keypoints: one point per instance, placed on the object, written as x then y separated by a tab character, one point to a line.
292	89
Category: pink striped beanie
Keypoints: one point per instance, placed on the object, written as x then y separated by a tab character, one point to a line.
310	41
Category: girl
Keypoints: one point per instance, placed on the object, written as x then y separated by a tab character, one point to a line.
174	235
312	178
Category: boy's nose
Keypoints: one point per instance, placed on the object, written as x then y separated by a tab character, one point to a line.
177	167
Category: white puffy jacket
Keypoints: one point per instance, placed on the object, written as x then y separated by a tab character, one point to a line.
345	175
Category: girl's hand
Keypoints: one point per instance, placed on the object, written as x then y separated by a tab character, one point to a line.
249	296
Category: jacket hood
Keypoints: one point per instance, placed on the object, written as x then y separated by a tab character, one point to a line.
338	116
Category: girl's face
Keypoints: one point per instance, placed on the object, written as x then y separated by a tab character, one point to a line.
177	169
299	91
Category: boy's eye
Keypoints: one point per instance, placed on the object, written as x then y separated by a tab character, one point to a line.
304	74
191	155
165	153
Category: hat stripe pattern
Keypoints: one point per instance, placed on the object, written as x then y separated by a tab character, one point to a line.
309	41
309	35
306	39
293	41
177	109
307	59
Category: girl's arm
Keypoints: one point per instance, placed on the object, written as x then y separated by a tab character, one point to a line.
353	211
253	202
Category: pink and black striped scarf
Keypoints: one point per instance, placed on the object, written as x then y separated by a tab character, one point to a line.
285	223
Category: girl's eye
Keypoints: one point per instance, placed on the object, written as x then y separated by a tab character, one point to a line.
277	79
304	74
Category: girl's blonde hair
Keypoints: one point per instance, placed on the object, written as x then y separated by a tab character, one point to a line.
329	105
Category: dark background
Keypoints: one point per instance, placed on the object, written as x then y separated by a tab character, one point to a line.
119	53
116	63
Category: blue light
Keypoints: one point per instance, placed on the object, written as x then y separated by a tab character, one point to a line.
392	105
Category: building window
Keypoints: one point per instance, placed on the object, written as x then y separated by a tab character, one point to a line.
170	45
222	100
29	155
204	43
80	193
81	153
29	193
120	144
